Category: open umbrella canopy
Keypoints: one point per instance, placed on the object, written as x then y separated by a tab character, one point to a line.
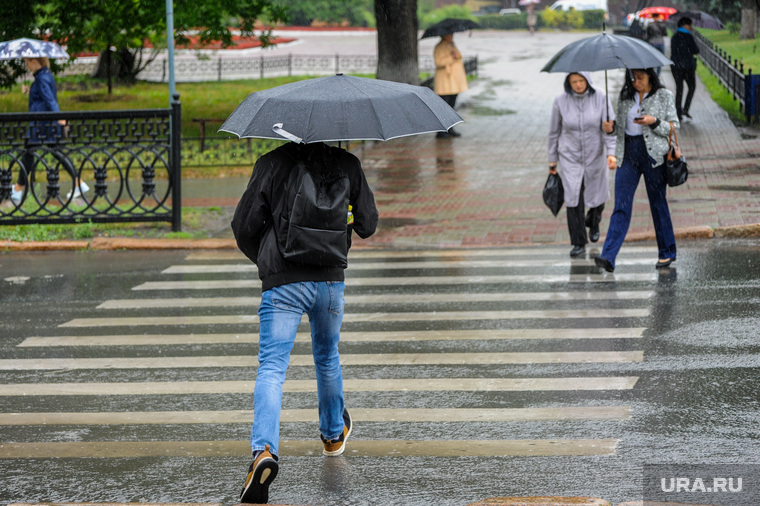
699	19
665	12
31	48
606	51
447	26
340	108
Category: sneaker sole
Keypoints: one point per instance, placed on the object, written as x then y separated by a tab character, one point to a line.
257	491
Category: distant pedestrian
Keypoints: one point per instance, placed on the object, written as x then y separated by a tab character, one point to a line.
290	289
580	140
683	50
645	112
656	32
532	19
450	77
43	97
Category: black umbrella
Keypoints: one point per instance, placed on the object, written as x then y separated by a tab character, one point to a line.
447	26
604	52
340	108
700	19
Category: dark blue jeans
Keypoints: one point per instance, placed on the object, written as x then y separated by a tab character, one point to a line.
637	162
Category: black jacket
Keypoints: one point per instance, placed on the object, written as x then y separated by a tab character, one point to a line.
263	200
682	51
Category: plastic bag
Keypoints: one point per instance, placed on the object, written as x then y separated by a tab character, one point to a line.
554	193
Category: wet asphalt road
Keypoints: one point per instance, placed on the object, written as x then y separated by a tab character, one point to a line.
691	399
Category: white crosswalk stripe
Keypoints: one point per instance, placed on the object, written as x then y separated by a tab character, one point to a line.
611	309
348	336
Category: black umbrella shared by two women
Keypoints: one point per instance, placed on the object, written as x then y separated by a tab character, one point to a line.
604	52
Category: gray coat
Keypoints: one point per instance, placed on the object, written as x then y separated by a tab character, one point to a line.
662	106
578	143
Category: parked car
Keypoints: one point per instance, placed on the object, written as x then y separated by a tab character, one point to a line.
579	5
509	12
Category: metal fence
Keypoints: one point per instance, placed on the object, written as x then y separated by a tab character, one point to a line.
259	67
744	87
198	68
129	159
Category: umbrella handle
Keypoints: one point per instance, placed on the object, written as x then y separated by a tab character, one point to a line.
277	128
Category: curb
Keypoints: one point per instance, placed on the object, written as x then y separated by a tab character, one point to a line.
122	243
541	501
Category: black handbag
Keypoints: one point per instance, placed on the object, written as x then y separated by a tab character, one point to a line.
554	193
676	170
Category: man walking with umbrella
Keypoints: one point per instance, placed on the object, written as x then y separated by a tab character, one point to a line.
295	221
293	287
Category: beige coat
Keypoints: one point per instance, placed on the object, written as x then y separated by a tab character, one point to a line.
450	77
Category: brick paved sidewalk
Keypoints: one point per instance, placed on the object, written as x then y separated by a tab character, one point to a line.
484	188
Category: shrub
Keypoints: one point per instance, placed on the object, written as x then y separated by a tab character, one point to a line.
450	11
552	19
734	27
573	19
515	22
593	19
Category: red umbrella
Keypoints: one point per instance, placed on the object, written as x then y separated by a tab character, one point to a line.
665	12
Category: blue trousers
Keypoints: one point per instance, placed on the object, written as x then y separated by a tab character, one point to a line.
637	162
280	313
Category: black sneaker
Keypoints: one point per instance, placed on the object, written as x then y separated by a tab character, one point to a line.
335	447
261	474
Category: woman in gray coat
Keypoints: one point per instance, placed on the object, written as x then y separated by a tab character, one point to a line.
646	111
582	119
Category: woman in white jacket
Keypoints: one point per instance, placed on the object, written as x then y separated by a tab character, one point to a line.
580	142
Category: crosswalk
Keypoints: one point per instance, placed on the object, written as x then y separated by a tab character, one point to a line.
519	337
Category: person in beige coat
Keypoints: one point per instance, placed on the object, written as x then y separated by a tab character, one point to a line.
450	76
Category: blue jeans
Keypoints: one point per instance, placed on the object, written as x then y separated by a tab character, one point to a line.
636	161
279	315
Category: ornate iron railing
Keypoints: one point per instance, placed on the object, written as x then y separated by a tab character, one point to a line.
730	71
129	159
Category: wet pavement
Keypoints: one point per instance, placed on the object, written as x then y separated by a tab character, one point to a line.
480	360
484	188
127	377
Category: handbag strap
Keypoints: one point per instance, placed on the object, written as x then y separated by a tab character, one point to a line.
673	135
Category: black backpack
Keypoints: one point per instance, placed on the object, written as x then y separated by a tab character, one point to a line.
313	226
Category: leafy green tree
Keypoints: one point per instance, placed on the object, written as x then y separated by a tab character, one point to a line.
124	30
725	10
18	20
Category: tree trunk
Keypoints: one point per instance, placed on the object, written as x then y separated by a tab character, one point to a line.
749	16
397	41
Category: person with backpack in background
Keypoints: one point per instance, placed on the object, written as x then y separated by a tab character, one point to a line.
656	32
294	222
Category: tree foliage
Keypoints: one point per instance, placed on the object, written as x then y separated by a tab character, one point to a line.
725	10
18	20
124	29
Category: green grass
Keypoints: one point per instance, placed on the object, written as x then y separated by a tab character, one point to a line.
746	51
720	94
215	99
195	222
